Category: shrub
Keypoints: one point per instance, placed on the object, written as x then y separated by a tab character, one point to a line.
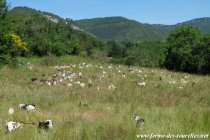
12	48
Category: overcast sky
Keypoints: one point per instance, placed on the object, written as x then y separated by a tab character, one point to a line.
145	11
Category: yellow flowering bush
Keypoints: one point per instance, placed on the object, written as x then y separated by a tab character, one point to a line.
11	47
17	42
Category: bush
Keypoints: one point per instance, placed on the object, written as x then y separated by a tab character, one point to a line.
12	48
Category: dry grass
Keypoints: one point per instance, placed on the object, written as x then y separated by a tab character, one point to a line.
106	113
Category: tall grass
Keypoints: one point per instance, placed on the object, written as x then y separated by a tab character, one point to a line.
165	108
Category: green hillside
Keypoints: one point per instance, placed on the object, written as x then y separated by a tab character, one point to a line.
120	28
202	23
48	34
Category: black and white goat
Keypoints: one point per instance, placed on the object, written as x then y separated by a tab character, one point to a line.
138	120
27	106
46	124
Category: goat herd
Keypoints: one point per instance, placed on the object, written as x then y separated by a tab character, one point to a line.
48	124
68	78
13	125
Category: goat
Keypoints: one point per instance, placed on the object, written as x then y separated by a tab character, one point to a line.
45	125
82	85
142	84
34	79
11	111
112	86
138	120
11	126
123	75
27	106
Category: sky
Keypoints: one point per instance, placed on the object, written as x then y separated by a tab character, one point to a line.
145	11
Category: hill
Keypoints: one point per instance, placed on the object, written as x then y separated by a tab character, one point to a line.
202	23
48	34
120	28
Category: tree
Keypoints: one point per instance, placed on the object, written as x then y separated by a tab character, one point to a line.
201	55
75	46
181	42
3	18
116	49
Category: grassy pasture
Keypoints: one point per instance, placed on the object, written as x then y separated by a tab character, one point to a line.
179	103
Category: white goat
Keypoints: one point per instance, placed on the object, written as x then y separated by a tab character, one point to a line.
11	111
142	84
11	126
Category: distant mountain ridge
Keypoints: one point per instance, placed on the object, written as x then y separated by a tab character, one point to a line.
202	23
120	28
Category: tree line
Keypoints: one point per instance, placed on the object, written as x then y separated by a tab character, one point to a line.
185	49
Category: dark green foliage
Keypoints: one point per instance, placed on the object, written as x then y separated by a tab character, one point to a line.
201	55
3	18
75	46
181	42
188	50
116	49
48	34
6	50
147	54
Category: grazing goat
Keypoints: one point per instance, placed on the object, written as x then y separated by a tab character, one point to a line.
112	87
11	126
172	82
11	111
45	125
27	106
142	84
138	120
34	79
82	85
69	85
123	75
